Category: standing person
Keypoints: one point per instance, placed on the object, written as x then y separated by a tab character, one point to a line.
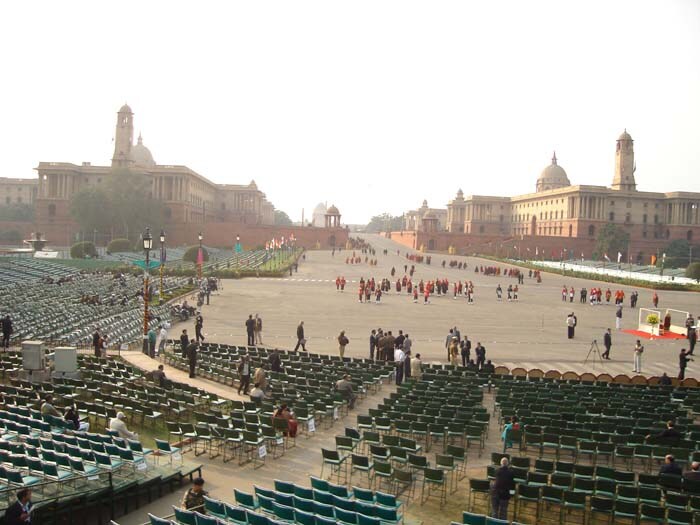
689	323
465	350
260	378
398	342
416	368
607	343
692	339
163	336
301	340
480	352
159	376
638	351
184	343
192	350
571	295
453	350
152	337
372	344
198	325
244	375
250	329
407	344
503	483
570	325
407	365
655	299
275	361
19	513
448	340
342	343
683	363
399	358
258	330
95	341
618	317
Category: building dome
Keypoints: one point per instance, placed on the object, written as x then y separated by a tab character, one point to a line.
141	155
625	136
333	210
252	185
318	217
425	203
552	177
125	109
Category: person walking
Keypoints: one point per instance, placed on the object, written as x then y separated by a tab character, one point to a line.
638	351
163	337
301	340
465	350
692	339
448	340
683	363
399	358
480	352
192	350
258	330
198	325
372	344
618	317
250	330
244	375
502	485
342	343
607	343
453	350
152	337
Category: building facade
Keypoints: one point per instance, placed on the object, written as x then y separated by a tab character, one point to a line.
17	191
570	216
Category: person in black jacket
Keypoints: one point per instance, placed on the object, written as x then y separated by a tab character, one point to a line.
301	340
372	344
465	350
184	342
250	330
607	343
198	325
96	342
19	513
670	466
503	483
192	350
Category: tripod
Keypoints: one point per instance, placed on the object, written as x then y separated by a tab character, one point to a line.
595	351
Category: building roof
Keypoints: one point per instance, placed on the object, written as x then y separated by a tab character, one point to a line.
125	109
332	210
554	174
624	136
141	155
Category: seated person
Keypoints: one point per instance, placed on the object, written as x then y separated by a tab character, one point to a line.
669	435
513	424
670	466
257	394
118	425
694	473
284	412
344	386
47	408
159	376
488	368
72	417
471	366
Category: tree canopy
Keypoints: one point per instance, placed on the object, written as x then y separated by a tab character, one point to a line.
282	219
122	204
385	222
611	240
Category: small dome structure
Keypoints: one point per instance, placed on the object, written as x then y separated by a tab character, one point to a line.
425	203
141	155
125	109
552	177
252	185
625	136
430	215
333	210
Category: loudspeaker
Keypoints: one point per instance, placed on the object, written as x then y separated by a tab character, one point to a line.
66	359
33	355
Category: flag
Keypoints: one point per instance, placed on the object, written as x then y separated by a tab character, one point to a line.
653	260
619	257
605	256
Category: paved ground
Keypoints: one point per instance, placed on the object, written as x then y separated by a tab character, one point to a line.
529	333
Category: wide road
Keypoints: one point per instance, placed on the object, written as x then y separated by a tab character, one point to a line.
529	333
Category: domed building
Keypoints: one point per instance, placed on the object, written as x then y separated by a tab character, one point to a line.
141	155
552	177
318	217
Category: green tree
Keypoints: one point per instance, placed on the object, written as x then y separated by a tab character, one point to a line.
282	219
191	254
678	253
693	271
385	222
91	209
17	212
120	245
611	239
80	250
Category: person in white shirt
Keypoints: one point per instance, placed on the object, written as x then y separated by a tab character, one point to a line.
163	337
399	357
117	424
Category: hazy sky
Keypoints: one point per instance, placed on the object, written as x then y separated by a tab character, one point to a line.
370	105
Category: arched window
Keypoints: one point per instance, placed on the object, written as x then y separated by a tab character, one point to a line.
591	230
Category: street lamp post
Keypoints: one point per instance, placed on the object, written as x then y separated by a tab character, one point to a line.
162	261
147	245
200	256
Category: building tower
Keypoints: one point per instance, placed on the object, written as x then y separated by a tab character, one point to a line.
123	138
624	164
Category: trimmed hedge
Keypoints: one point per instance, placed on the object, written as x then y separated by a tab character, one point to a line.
191	254
119	245
81	250
693	271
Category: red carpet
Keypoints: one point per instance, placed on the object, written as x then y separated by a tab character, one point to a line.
645	335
